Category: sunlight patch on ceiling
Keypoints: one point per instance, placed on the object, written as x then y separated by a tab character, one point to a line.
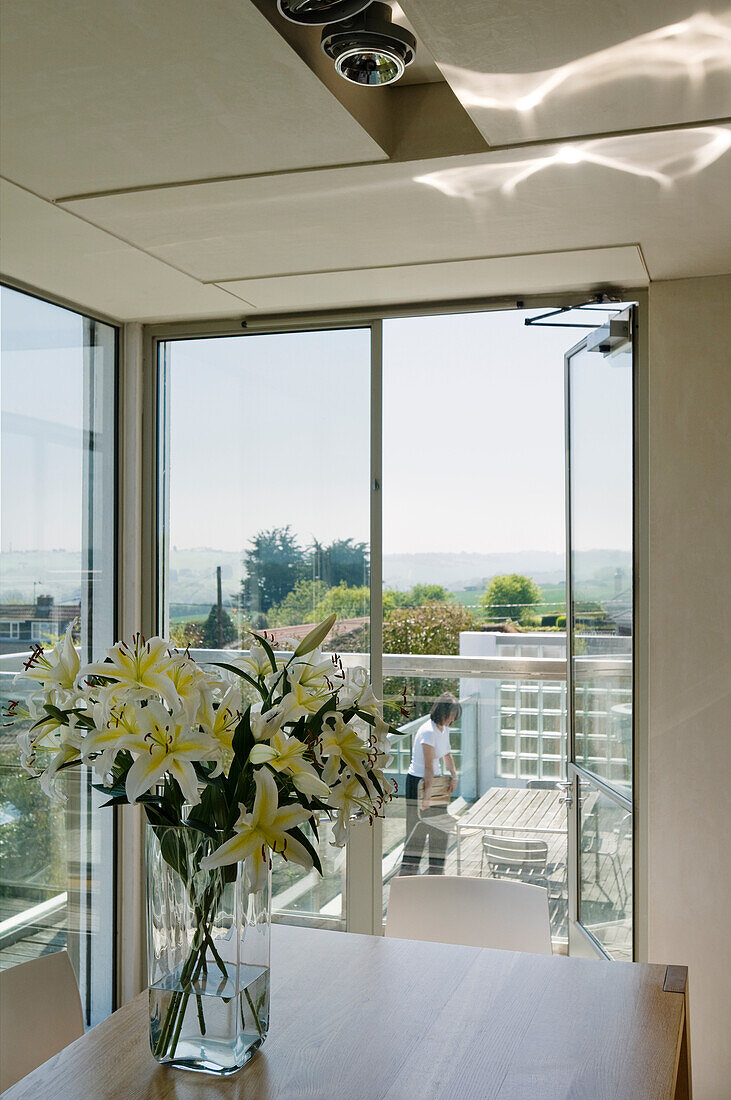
694	48
663	157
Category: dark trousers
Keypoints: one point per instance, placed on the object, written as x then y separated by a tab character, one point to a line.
418	832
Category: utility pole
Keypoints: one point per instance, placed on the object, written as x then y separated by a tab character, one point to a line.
220	607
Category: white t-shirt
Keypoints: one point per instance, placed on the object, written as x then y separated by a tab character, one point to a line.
429	734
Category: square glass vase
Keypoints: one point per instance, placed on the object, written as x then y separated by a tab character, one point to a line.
207	955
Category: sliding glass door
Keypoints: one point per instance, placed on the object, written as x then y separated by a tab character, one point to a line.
265	516
57	472
409	475
599	405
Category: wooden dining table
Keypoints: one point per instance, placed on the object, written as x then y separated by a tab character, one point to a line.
369	1018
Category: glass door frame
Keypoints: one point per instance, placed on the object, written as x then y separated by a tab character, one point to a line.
581	941
364	879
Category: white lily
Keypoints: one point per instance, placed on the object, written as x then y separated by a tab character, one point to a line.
265	827
56	671
122	729
195	688
348	797
300	700
287	754
140	670
341	744
313	671
167	745
357	692
256	662
222	721
265	725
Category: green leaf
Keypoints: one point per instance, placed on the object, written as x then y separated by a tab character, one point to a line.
297	833
316	636
244	676
375	783
243	739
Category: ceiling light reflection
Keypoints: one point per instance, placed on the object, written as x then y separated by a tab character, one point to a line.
663	156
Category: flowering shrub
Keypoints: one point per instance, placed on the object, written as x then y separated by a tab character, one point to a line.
181	739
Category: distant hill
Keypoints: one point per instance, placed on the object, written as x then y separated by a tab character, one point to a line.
192	578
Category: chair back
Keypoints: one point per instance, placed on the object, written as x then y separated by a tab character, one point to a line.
542	785
475	912
40	1014
514	855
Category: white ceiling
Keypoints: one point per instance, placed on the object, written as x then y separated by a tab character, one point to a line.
240	182
527	69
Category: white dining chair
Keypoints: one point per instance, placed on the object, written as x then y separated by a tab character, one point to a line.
40	1014
475	912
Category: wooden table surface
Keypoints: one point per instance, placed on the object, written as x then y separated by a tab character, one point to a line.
520	812
369	1018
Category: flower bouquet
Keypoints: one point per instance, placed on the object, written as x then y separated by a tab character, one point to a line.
231	762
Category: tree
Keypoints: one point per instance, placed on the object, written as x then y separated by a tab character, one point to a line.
211	638
298	606
274	562
417	596
510	596
342	562
431	629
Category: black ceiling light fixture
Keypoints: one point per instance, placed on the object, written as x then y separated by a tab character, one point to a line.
368	48
318	12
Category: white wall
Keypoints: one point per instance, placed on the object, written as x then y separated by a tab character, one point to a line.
689	776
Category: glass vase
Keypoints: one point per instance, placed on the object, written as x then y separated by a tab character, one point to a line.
208	955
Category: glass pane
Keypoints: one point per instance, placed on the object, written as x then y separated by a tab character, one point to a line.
473	567
601	561
605	894
267	497
57	392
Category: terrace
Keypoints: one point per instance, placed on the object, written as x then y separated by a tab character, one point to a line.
510	749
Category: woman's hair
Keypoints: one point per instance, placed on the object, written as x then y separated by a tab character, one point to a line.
446	706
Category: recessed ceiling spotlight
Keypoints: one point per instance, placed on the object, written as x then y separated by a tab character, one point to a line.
369	49
319	12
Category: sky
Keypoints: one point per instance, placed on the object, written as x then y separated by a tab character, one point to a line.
269	430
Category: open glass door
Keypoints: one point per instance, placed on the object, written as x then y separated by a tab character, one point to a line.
599	504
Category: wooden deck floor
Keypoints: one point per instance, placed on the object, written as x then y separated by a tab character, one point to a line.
35	939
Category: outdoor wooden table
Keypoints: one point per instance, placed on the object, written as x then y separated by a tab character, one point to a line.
368	1018
517	811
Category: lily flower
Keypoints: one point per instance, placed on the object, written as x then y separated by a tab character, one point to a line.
122	729
256	662
265	725
195	688
56	671
139	670
286	754
264	828
357	692
221	723
341	745
348	798
167	745
300	700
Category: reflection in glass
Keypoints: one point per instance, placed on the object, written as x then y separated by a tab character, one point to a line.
601	561
605	895
57	392
266	492
473	485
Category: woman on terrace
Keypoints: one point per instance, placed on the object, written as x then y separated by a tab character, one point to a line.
431	747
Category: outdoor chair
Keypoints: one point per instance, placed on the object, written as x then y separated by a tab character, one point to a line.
40	1014
475	912
514	857
541	784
